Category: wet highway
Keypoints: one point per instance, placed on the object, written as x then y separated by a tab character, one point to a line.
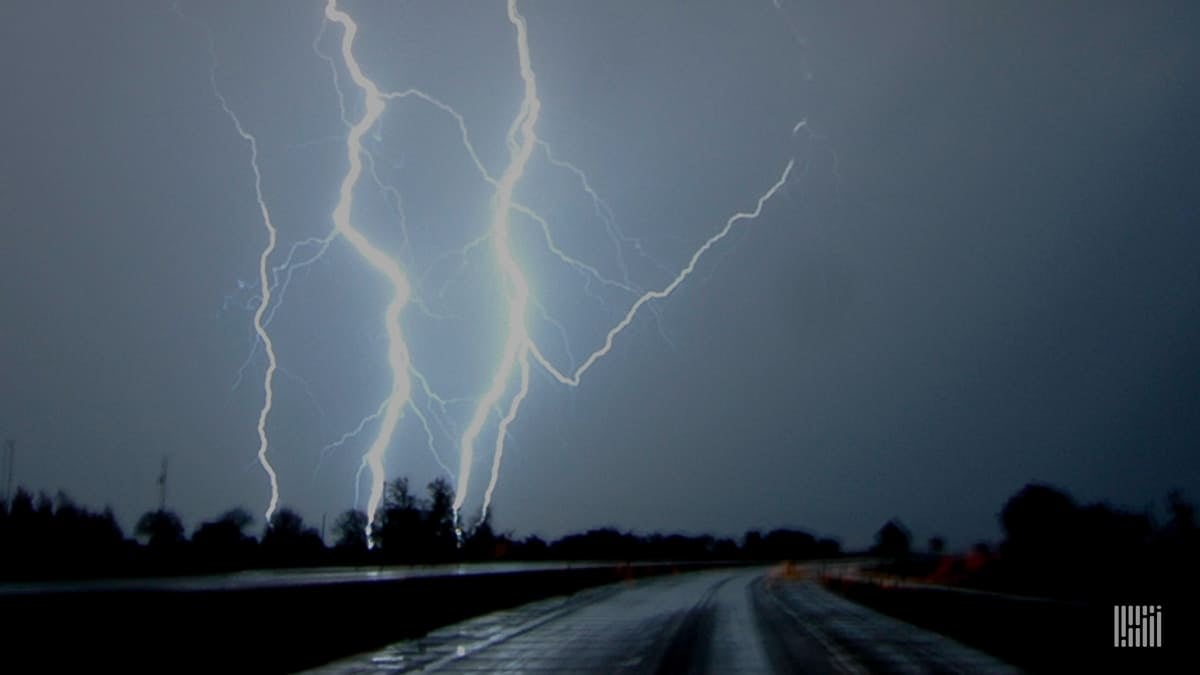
725	621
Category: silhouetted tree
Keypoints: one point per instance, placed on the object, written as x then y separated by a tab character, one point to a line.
106	530
22	501
827	547
42	523
937	545
46	537
893	540
399	524
350	529
163	536
45	508
725	549
161	529
480	543
789	545
1055	547
1036	519
57	538
1177	548
1039	523
21	513
441	540
531	548
1181	514
223	542
83	542
752	545
599	544
287	541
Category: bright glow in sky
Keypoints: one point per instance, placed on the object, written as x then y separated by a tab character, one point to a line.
821	266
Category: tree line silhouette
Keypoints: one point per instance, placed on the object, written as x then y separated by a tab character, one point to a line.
51	538
1057	573
1051	546
1056	547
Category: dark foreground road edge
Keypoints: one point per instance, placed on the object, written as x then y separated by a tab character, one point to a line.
265	630
1037	635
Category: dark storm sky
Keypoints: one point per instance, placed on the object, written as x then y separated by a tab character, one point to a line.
985	270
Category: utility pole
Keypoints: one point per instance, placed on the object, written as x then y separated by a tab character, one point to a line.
162	486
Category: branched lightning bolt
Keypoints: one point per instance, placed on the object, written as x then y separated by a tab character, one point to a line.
574	379
264	281
605	213
582	267
259	328
353	433
433	398
422	417
519	349
516	347
279	287
619	238
519	346
398	356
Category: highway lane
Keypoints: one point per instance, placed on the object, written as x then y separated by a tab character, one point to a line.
861	640
720	621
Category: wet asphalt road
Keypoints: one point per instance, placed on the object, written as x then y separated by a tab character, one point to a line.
724	621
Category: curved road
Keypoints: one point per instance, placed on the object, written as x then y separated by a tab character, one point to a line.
723	621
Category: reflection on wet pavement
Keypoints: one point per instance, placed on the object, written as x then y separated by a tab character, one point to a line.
725	621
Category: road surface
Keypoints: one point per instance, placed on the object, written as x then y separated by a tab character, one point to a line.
724	621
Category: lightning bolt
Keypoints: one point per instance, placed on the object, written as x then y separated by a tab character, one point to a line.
574	379
281	275
259	328
508	386
264	302
398	356
516	346
519	346
605	213
353	433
